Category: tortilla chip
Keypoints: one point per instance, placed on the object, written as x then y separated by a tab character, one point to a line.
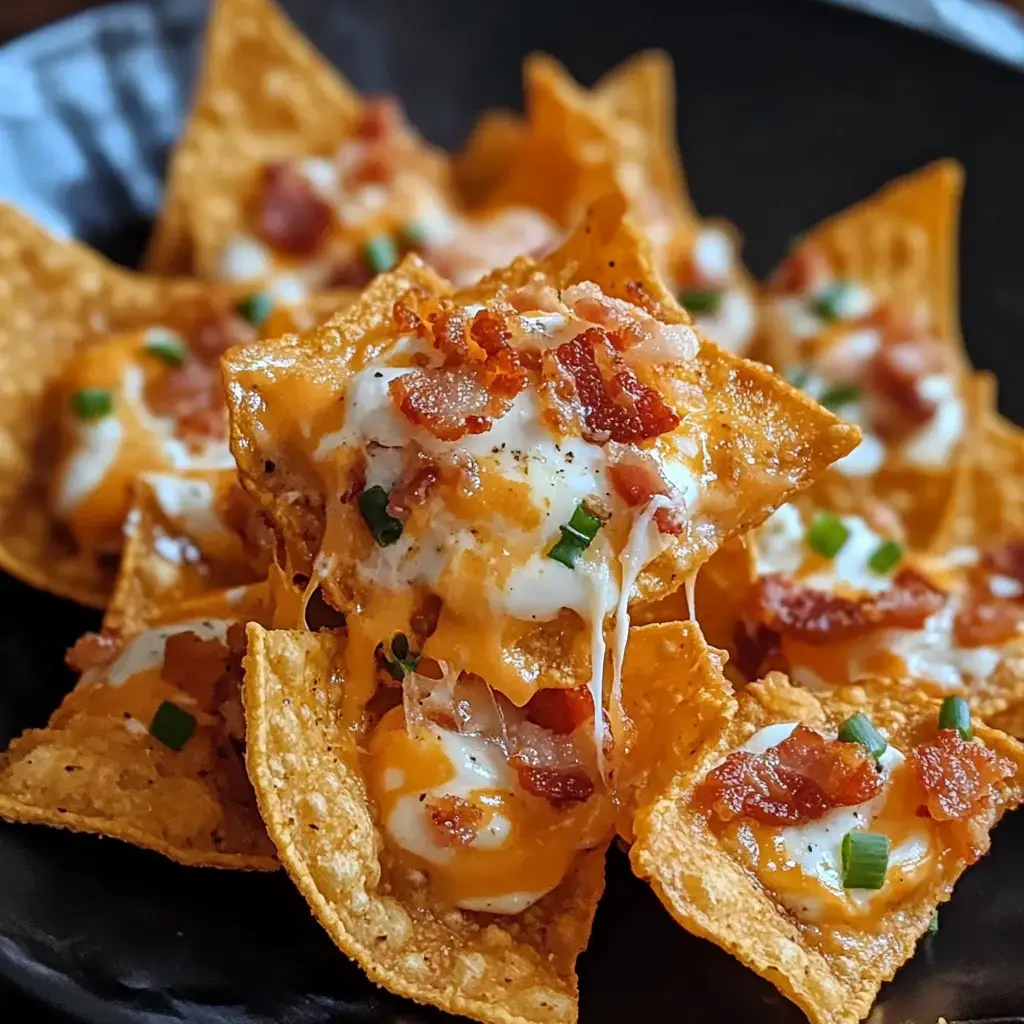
770	440
711	895
94	767
263	93
493	145
58	296
305	768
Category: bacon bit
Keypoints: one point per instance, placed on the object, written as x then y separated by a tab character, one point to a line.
186	390
91	650
405	315
216	334
195	665
957	776
351	272
616	405
799	780
895	322
455	821
561	711
805	269
816	616
757	647
448	403
560	788
893	379
411	492
637	478
291	217
382	117
204	425
1007	560
985	620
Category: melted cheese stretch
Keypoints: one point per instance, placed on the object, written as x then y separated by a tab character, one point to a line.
930	653
102	458
485	553
802	864
519	851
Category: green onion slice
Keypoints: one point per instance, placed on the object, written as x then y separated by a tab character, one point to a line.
400	660
933	924
841	394
373	504
166	346
826	304
956	714
827	534
255	308
415	233
865	858
380	253
172	725
576	536
92	403
858	729
701	300
885	557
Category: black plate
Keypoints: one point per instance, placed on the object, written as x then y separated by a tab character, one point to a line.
788	111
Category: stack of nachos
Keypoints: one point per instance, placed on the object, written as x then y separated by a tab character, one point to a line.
446	532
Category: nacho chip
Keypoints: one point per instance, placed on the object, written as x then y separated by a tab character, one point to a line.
492	146
306	770
767	922
60	299
763	441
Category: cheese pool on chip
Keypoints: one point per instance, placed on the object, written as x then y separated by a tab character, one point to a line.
812	836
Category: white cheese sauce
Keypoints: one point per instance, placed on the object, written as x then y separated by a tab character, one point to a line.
933	444
188	502
97	447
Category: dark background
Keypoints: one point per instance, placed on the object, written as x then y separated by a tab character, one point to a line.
789	110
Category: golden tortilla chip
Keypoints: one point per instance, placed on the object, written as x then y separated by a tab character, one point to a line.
305	767
493	145
60	296
263	93
832	974
764	438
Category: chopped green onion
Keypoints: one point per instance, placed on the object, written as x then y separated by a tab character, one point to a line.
576	536
798	376
933	924
827	534
380	253
826	304
166	346
373	503
865	858
885	557
400	660
415	233
956	714
858	729
92	403
842	394
172	725
701	300
255	308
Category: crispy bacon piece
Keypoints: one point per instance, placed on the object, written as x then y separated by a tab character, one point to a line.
1007	560
800	779
561	711
957	777
216	334
616	405
805	269
350	272
549	765
186	390
455	821
91	650
893	379
985	620
757	648
816	616
290	216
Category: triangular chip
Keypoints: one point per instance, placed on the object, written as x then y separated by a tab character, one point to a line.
263	93
492	146
307	770
147	747
755	440
60	300
788	916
